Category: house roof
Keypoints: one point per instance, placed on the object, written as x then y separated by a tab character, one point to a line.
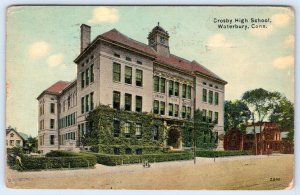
172	60
24	136
116	36
56	88
250	130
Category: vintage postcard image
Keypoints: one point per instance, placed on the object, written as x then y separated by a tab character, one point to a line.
150	97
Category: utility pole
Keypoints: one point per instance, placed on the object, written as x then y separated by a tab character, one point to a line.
194	142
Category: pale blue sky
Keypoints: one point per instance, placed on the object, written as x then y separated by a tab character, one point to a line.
42	43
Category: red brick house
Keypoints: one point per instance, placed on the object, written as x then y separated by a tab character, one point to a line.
270	138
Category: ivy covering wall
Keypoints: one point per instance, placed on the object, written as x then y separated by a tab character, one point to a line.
104	139
204	136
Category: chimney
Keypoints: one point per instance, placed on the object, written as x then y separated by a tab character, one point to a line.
85	36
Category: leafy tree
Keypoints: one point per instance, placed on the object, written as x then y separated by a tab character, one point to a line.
32	144
236	115
262	103
283	115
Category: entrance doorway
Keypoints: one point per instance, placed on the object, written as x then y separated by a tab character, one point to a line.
174	137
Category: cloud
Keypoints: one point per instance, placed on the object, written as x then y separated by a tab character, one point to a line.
55	60
289	41
218	40
38	49
283	62
104	14
277	21
280	20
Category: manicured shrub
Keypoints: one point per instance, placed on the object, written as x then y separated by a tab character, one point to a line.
113	160
58	159
211	153
12	154
60	153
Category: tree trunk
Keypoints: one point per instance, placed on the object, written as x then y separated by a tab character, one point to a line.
260	138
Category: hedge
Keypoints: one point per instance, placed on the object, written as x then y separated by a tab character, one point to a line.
211	153
113	160
110	149
57	159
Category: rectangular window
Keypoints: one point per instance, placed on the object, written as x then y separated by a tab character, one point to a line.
116	72
189	112
204	95
139	78
204	112
69	102
92	73
156	107
189	92
216	98
162	108
87	107
176	89
184	90
216	118
156	84
171	90
176	110
52	139
128	75
117	55
170	109
128	100
92	100
116	127
127	128
210	113
11	142
210	97
18	142
116	100
52	123
138	103
162	85
82	105
128	59
139	62
183	112
138	131
82	80
52	108
87	77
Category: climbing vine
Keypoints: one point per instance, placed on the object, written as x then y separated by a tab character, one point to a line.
102	135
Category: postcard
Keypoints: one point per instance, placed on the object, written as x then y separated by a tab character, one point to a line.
150	97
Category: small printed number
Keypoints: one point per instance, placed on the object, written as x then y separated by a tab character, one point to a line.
274	179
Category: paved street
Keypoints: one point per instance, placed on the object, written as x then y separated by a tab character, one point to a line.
243	172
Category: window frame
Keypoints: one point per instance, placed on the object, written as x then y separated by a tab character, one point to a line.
128	107
128	77
115	94
139	80
117	72
140	98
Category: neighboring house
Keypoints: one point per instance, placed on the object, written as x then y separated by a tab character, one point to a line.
126	74
15	138
271	138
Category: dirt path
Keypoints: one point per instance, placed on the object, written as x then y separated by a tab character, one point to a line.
244	172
